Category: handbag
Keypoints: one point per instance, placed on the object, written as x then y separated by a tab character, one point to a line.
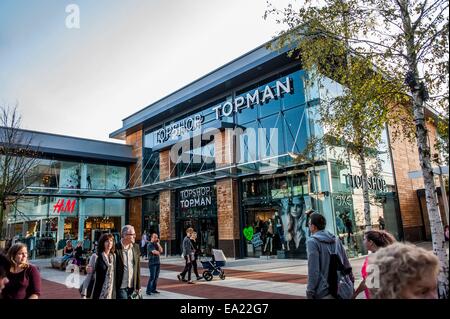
343	287
136	295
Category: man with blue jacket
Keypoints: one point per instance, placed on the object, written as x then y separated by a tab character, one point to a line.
320	247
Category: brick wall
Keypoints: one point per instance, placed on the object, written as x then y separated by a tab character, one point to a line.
166	202
167	215
223	143
405	158
228	216
166	166
135	204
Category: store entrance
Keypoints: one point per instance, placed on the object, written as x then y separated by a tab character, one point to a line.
264	221
206	228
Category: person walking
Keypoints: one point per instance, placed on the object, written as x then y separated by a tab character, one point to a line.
154	251
320	246
144	242
104	286
373	240
24	279
128	264
188	254
197	251
405	272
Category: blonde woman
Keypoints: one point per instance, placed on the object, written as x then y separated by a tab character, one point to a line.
24	278
405	272
104	271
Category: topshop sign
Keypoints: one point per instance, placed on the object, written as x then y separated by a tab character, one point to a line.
373	183
179	128
196	197
250	99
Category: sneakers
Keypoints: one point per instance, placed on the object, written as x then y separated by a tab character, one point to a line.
148	293
181	278
190	282
200	278
155	292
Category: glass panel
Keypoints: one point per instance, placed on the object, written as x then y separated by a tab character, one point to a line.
298	95
296	129
248	144
273	144
69	175
32	207
93	206
115	207
116	177
96	176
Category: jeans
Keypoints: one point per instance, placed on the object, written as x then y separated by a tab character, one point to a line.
153	280
124	293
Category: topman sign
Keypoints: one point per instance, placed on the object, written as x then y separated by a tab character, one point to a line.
255	97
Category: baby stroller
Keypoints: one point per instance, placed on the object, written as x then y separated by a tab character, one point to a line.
213	265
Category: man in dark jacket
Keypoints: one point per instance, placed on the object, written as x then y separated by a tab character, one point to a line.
128	264
188	253
320	246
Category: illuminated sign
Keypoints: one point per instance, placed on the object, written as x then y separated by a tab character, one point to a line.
62	206
200	196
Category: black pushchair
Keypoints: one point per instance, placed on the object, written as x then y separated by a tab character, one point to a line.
212	266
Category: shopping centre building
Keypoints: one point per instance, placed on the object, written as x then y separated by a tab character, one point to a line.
72	190
229	155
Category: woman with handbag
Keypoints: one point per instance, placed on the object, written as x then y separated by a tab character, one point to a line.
102	276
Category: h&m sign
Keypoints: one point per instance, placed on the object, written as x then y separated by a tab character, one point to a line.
63	206
373	183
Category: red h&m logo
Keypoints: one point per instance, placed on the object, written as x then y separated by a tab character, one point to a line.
69	207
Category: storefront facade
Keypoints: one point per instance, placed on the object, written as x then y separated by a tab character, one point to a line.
71	194
219	156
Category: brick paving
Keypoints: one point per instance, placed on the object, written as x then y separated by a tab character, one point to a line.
256	275
53	290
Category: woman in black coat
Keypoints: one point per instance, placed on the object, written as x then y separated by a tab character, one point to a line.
104	286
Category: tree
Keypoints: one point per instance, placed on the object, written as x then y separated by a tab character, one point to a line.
18	158
407	40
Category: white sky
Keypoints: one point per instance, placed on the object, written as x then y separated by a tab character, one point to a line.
125	56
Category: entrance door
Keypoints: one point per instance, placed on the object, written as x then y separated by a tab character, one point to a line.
206	229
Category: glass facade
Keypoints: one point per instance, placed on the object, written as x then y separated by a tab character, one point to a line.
270	134
75	175
68	199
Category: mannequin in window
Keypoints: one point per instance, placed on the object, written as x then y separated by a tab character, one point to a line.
269	236
279	229
89	182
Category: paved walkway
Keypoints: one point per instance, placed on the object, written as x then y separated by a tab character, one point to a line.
249	278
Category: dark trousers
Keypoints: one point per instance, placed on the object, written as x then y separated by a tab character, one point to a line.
153	280
194	267
124	293
187	267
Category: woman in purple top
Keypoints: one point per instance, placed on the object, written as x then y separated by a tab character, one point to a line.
24	278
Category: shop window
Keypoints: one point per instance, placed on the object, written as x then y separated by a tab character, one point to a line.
116	177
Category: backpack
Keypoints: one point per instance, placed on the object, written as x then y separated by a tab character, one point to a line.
339	281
